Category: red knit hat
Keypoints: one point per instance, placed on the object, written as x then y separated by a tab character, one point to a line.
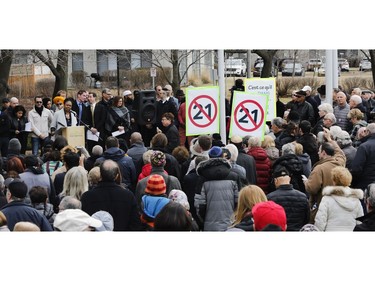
156	185
265	213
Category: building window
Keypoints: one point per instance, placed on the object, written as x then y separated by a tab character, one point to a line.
77	62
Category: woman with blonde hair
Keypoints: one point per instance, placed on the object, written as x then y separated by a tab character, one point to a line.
247	198
340	205
75	183
269	146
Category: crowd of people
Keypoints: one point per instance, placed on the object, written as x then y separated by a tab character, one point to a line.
313	171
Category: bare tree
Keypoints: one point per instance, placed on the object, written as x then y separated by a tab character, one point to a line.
267	56
60	71
175	58
6	57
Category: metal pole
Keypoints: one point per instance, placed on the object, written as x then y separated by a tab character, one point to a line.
221	79
153	82
329	73
248	64
335	66
118	74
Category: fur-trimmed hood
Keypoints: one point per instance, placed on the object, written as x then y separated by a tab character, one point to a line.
345	196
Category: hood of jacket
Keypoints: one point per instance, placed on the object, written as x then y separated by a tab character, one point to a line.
214	169
304	158
346	197
272	152
114	153
153	204
291	162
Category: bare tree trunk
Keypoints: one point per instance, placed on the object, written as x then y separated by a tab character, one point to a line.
175	70
60	71
372	59
267	56
6	57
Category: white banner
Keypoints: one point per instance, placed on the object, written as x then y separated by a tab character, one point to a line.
248	114
202	110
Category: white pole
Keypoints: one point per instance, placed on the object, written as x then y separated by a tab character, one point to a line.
248	64
329	76
221	79
335	66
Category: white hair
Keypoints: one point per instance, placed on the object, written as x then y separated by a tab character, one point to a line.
371	128
356	99
288	148
233	151
326	107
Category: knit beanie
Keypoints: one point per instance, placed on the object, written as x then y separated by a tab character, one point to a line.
215	152
158	159
14	146
156	185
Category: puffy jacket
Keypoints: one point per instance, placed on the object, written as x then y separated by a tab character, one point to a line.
262	165
218	196
295	204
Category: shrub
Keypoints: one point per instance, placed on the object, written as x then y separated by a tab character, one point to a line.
78	79
45	87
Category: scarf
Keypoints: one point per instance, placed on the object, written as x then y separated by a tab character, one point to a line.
39	110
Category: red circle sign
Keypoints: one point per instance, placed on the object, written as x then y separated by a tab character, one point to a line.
201	114
248	115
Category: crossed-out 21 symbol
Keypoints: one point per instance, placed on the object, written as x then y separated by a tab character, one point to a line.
206	113
249	115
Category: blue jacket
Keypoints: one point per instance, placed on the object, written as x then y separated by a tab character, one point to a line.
17	211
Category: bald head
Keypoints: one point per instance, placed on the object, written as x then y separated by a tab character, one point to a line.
13	102
109	171
135	137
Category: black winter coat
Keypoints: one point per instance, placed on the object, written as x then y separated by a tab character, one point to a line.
295	204
119	202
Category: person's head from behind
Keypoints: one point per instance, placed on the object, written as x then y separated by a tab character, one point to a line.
111	142
159	141
266	213
288	148
15	164
158	159
173	217
59	143
268	142
205	142
181	154
326	150
369	197
341	176
70	159
109	171
136	137
248	196
93	176
233	150
25	226
38	194
281	176
17	190
146	157
75	182
97	150
69	202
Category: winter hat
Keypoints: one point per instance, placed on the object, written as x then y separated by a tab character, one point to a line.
309	227
18	188
126	93
236	139
322	90
156	185
195	148
152	205
215	152
265	213
158	159
280	172
306	88
179	196
75	220
58	99
14	146
107	220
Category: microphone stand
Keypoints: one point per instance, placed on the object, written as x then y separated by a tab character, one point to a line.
84	124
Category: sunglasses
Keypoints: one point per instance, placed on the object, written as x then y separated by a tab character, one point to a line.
297	96
38	102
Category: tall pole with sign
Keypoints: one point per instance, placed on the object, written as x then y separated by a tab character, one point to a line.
153	75
223	131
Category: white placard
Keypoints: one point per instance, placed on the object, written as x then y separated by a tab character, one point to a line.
248	114
202	110
266	86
